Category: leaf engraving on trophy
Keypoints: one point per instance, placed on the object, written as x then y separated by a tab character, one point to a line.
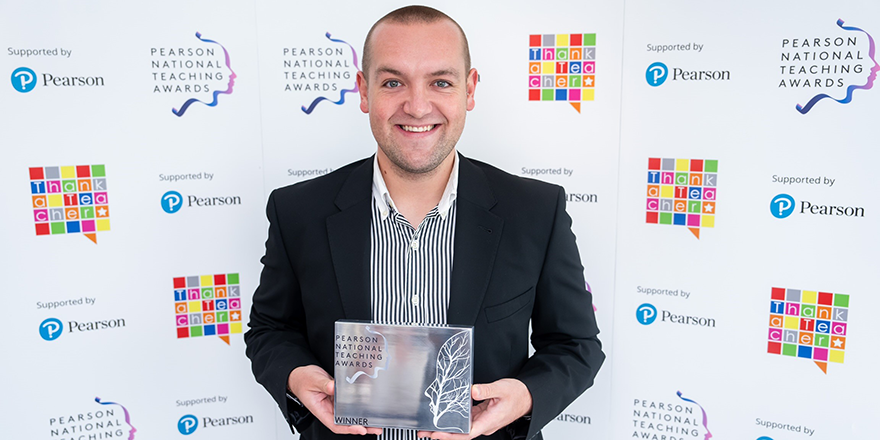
450	391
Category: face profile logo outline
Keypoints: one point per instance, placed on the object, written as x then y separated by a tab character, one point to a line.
656	74
229	86
646	314
171	201
872	75
782	205
187	424
51	329
23	79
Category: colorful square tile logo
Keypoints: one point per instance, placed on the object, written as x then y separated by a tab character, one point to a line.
70	200
808	324
562	67
682	192
207	305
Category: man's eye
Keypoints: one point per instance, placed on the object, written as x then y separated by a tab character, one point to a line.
392	83
442	83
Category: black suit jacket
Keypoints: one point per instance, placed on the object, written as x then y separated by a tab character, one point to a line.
515	260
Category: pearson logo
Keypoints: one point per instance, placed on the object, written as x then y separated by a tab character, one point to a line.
646	314
782	206
187	424
562	67
656	74
51	329
173	201
24	79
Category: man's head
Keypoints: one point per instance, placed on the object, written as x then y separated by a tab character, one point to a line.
417	86
414	15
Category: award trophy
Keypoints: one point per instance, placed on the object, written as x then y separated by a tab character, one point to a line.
403	376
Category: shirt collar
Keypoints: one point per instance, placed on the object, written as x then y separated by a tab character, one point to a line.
383	200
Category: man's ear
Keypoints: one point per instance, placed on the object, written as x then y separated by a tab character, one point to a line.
362	90
472	78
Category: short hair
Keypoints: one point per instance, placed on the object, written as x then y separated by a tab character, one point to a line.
411	15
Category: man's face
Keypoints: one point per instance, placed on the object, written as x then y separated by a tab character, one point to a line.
418	92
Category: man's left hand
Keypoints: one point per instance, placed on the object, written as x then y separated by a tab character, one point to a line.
502	402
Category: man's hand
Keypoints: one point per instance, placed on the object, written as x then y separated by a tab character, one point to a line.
314	388
503	401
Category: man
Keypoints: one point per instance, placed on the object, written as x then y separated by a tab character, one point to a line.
418	234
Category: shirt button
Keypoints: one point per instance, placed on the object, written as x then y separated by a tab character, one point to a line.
415	300
414	245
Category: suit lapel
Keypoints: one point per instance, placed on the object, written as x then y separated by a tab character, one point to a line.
348	232
477	235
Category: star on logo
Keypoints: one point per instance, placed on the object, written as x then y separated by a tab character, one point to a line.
102	211
707	208
588	81
837	342
234	316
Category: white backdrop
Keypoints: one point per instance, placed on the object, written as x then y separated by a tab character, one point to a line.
687	317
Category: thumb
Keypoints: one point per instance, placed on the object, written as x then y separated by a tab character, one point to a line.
483	391
329	387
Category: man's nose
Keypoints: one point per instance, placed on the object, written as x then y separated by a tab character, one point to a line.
418	102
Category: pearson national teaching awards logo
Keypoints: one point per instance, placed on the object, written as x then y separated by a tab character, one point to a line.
320	71
208	305
656	74
562	67
110	420
682	192
670	419
829	65
808	324
70	200
24	79
201	70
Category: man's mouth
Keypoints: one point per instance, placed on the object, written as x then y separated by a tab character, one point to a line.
417	129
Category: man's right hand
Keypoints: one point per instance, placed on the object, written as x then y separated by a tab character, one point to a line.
314	388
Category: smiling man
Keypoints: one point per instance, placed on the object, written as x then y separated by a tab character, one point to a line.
419	234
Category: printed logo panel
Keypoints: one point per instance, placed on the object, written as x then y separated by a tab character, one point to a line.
682	192
809	325
207	305
70	200
562	67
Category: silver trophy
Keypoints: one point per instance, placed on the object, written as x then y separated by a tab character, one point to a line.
403	376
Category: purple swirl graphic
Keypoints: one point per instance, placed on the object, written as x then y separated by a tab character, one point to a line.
308	110
849	90
705	417
127	416
216	93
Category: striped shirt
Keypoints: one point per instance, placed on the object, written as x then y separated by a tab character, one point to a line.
410	267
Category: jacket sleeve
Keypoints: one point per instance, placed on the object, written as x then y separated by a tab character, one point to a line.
564	332
277	341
